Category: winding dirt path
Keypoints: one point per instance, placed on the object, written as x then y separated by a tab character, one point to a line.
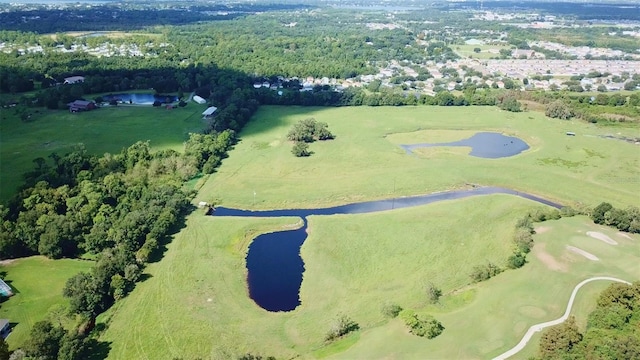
539	327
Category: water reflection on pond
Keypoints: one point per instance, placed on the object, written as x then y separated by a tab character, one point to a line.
488	145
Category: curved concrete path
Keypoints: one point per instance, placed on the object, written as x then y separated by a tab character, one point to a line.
539	327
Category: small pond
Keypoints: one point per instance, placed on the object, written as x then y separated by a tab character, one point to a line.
487	145
141	99
273	261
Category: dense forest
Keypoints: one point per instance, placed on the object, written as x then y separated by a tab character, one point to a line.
128	16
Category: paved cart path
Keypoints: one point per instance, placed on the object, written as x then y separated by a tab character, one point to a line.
539	327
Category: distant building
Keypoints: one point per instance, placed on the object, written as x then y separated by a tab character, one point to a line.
5	328
199	100
74	79
81	105
209	112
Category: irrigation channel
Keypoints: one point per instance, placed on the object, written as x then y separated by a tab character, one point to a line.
274	263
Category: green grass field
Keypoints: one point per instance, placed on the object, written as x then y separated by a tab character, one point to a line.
103	130
195	303
365	161
486	51
38	284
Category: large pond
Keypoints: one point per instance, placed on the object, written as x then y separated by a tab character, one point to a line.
142	99
483	144
273	261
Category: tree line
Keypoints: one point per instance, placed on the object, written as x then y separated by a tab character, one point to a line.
611	333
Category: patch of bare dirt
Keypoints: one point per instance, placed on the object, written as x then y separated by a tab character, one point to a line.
548	259
542	229
6	262
602	237
579	251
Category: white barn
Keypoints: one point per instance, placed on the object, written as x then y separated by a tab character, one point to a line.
74	79
209	112
199	100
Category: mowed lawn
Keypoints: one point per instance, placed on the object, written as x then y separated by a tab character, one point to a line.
107	129
365	162
37	283
503	308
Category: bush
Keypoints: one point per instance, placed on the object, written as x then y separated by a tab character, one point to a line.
342	326
433	293
424	326
300	149
391	310
484	272
516	261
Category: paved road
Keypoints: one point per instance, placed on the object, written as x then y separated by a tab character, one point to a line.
539	327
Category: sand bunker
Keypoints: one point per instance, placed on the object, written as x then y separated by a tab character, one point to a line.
625	235
602	237
589	256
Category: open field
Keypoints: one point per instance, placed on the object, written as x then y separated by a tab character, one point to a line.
354	263
486	51
38	284
346	271
107	129
365	161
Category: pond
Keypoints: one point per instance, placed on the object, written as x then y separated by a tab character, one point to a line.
487	145
274	264
140	99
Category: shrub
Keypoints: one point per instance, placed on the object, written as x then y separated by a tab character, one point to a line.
391	310
425	326
433	293
300	149
484	272
342	326
516	261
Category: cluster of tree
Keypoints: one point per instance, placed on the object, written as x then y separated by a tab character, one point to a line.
509	102
385	97
622	219
341	327
558	110
612	329
307	131
484	272
421	325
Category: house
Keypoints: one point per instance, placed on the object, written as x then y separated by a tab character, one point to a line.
209	112
81	105
5	328
74	79
5	290
199	100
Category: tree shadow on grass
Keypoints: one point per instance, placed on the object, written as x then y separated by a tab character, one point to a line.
97	350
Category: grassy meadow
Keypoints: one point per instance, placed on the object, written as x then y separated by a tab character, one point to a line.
195	302
107	129
37	283
365	162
